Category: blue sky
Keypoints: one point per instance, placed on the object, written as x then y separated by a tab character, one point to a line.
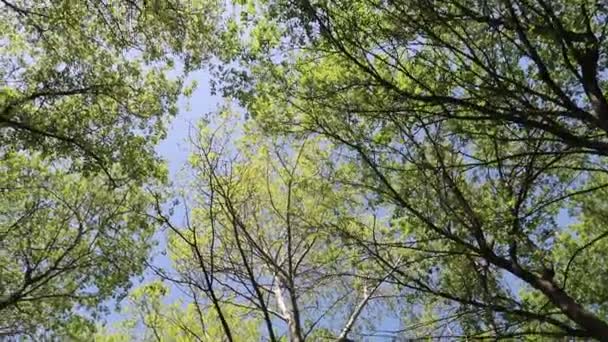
175	150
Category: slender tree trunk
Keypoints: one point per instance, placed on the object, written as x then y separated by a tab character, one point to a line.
295	335
367	294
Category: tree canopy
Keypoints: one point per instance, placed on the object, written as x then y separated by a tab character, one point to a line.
87	89
400	169
87	81
478	125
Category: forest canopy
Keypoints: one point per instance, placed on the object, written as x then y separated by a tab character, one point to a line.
377	170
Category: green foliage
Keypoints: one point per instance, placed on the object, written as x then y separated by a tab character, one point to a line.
478	128
67	244
87	90
439	162
149	318
88	81
265	235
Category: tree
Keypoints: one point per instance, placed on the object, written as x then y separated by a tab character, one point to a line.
67	244
85	95
257	241
478	125
87	81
